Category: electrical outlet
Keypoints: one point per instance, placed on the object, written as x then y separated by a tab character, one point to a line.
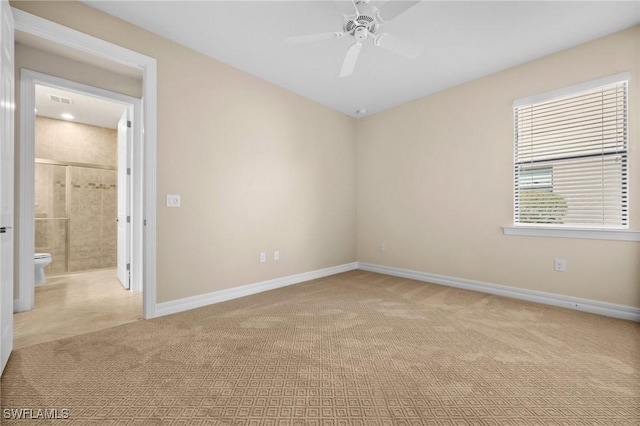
263	256
559	265
382	247
276	255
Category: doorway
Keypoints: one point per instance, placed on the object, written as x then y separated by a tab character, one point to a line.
82	139
87	172
82	189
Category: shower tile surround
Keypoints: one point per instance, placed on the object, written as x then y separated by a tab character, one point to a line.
78	143
92	195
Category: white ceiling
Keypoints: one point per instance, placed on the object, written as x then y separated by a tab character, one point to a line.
462	40
85	109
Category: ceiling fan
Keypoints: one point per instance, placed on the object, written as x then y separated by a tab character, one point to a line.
365	22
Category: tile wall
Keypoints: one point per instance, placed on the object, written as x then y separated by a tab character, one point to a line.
92	204
93	212
79	143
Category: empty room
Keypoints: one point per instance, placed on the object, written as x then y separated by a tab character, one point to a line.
321	213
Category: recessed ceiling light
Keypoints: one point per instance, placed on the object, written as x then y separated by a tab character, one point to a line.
361	111
67	116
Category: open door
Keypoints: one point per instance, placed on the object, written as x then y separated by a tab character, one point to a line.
124	194
7	106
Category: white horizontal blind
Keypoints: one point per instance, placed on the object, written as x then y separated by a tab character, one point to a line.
571	159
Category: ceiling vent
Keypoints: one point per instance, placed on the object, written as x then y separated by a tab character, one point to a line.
60	99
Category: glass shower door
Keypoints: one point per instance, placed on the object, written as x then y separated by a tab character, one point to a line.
75	214
51	219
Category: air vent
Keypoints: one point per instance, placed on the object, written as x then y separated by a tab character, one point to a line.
60	100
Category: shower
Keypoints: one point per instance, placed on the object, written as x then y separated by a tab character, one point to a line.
75	211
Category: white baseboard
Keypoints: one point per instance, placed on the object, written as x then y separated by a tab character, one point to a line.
592	306
201	300
586	305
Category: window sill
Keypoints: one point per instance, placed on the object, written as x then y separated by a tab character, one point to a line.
562	232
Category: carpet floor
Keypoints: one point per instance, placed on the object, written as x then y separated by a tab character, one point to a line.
352	349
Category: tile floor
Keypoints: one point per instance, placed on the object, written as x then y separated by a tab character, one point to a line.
74	304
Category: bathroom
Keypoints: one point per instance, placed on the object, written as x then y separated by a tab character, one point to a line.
75	195
75	217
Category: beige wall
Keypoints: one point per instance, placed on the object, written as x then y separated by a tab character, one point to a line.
258	167
435	183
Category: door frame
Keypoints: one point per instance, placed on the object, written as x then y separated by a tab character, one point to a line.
124	197
26	233
144	155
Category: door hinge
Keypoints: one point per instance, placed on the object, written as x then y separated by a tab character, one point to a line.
128	219
145	222
129	123
128	266
128	171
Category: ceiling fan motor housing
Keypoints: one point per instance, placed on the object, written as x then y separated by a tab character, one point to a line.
365	18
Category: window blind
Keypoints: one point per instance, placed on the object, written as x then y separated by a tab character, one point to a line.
570	163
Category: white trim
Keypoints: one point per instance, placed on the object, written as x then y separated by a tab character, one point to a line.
587	85
566	232
144	243
52	31
26	231
586	305
147	241
201	300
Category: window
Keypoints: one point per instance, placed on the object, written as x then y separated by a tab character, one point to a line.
570	166
536	178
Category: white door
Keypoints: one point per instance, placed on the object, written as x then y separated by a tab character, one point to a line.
6	181
124	179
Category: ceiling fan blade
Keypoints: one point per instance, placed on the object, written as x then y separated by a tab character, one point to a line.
311	38
398	46
393	8
350	60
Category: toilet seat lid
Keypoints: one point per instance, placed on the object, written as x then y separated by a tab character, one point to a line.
41	255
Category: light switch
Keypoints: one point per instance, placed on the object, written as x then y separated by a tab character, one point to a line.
173	200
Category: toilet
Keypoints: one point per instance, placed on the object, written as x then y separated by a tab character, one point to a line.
41	260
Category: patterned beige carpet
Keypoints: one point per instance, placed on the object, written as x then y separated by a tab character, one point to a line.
353	349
